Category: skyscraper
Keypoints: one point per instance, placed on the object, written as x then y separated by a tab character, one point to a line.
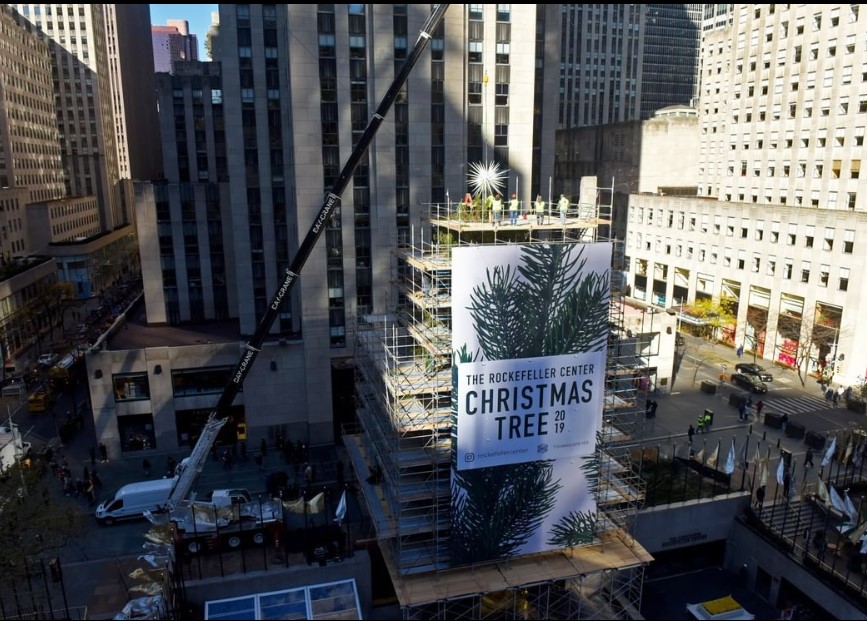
30	153
172	43
76	34
133	91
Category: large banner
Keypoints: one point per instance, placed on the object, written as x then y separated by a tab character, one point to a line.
529	334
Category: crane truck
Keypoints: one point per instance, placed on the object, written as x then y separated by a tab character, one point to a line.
190	469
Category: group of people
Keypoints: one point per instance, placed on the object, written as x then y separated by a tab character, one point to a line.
495	203
86	486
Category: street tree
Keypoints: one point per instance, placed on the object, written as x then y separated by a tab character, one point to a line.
715	315
34	523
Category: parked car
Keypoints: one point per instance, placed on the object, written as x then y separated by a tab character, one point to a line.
754	369
46	360
749	382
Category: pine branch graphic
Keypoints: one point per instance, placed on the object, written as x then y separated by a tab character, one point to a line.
535	310
496	310
496	510
579	527
543	313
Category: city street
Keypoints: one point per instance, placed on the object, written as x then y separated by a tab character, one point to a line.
804	404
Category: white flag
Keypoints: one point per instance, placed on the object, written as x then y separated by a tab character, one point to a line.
763	479
714	457
730	460
781	471
851	511
822	492
836	501
830	452
340	513
848	453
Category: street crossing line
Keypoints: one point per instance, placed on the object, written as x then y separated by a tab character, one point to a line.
796	405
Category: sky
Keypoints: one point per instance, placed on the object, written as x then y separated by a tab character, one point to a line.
198	15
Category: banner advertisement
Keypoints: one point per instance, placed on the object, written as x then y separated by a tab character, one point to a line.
529	336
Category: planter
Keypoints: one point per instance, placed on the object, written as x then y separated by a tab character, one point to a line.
814	440
708	387
795	430
773	420
857	405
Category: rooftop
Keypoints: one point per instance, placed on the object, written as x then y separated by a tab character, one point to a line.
139	334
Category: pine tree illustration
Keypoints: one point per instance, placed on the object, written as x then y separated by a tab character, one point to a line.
579	527
536	310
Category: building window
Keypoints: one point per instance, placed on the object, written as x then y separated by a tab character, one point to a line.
829	239
824	273
131	386
136	432
787	269
793	234
805	271
848	241
772	266
203	381
844	279
809	234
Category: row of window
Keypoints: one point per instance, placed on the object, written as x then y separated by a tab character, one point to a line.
787	269
185	383
732	228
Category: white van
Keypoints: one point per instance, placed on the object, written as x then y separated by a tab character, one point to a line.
131	501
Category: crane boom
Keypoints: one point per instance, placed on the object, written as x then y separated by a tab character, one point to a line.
190	468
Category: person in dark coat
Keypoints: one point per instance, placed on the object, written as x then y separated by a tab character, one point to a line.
690	432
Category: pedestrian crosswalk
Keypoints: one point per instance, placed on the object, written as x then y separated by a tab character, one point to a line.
795	405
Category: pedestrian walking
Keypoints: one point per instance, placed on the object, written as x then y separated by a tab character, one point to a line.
171	464
759	405
92	455
760	498
740	351
690	432
808	459
226	458
103	452
146	466
90	491
837	394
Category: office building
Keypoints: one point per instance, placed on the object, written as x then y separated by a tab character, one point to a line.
173	43
133	91
29	140
76	34
781	130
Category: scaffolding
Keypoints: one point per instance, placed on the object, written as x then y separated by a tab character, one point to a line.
404	388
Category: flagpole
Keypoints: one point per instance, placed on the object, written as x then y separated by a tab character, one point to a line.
746	462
